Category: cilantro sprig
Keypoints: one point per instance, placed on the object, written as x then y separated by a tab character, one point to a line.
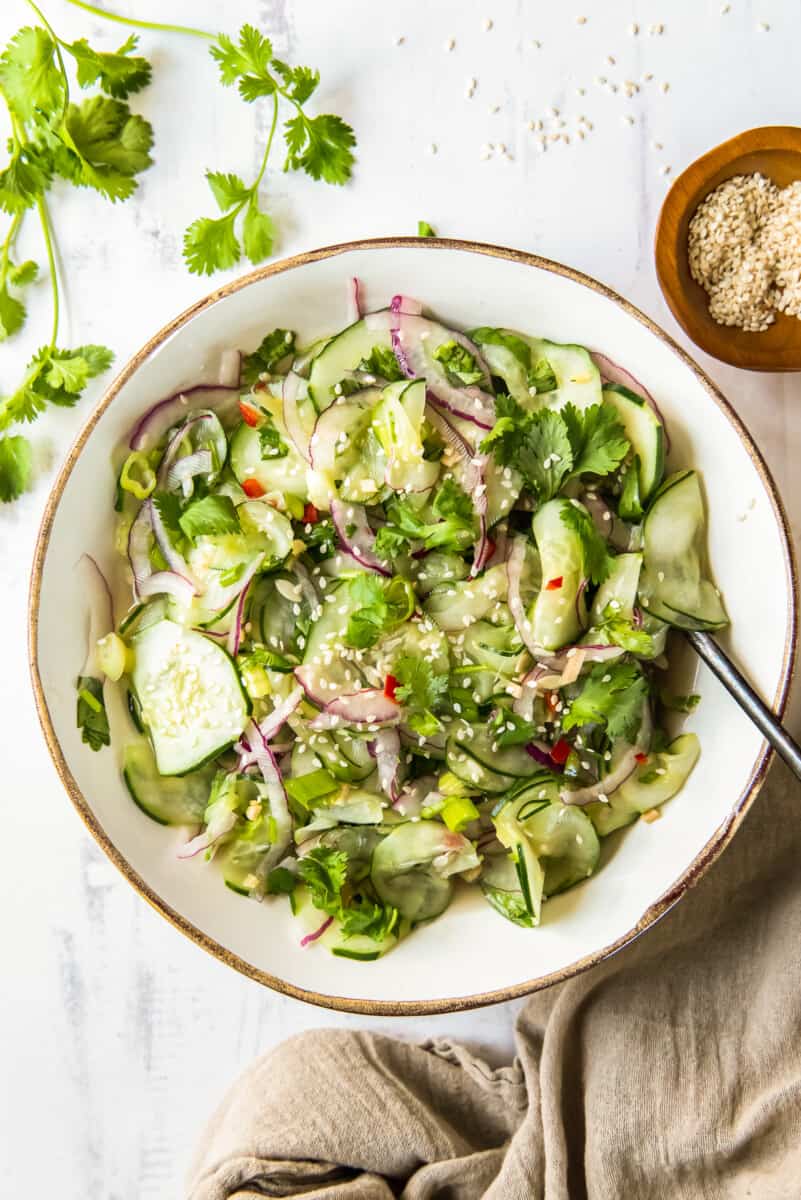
548	447
324	871
321	146
613	696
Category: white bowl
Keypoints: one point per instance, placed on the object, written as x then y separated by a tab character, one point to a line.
470	956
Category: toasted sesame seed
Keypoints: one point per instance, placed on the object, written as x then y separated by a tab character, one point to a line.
763	27
634	29
487	24
449	44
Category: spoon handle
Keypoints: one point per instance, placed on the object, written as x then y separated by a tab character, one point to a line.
752	705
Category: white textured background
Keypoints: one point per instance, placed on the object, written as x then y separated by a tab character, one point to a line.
117	1036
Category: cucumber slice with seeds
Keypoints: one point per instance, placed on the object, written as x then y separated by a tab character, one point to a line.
167	801
645	432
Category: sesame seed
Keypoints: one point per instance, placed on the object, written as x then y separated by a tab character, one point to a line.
664	169
763	27
449	45
400	39
432	149
581	20
634	29
487	24
665	88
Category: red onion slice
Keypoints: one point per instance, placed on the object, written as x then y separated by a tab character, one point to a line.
97	594
235	632
385	748
354	305
514	575
367	707
604	787
542	756
209	836
139	538
293	423
248	749
168	583
359	543
312	937
407	305
174	560
185	469
470	403
224	596
150	428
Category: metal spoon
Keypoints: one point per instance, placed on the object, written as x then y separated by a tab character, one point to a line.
752	705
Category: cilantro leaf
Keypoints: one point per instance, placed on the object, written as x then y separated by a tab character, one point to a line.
211	245
109	145
211	515
65	373
300	83
246	62
380	605
324	872
16	467
597	557
280	881
271	352
227	190
118	74
613	695
258	233
536	444
381	361
367	918
454	529
21	274
168	506
30	76
425	230
12	314
460	365
452	503
23	180
541	377
91	716
623	633
420	687
321	146
597	439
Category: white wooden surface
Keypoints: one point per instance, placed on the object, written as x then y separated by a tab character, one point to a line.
117	1036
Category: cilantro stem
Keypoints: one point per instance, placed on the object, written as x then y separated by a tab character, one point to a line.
44	217
8	246
267	148
155	26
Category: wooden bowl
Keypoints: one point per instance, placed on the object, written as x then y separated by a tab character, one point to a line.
774	151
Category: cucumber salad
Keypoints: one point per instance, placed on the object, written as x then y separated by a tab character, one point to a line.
400	611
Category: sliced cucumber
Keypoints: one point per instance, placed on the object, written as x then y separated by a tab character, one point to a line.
674	584
555	613
578	380
413	865
500	884
454	606
560	836
168	801
645	432
277	476
341	355
504	364
466	767
496	647
654	782
619	589
511	761
191	698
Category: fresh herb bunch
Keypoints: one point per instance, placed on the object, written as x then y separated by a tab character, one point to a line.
100	144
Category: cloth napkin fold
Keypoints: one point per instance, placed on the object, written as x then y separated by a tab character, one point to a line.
672	1070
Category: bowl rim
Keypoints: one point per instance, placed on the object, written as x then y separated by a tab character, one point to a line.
700	863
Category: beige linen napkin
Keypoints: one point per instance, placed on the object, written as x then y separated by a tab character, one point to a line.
672	1070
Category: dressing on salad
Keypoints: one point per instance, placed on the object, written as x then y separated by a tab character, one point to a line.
400	614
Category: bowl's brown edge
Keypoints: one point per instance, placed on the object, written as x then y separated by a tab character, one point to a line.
669	248
703	859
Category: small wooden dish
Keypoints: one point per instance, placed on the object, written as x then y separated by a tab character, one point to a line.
774	151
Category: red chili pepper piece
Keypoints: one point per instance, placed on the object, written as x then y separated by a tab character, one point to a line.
252	488
391	685
554	584
251	416
641	758
310	515
560	751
